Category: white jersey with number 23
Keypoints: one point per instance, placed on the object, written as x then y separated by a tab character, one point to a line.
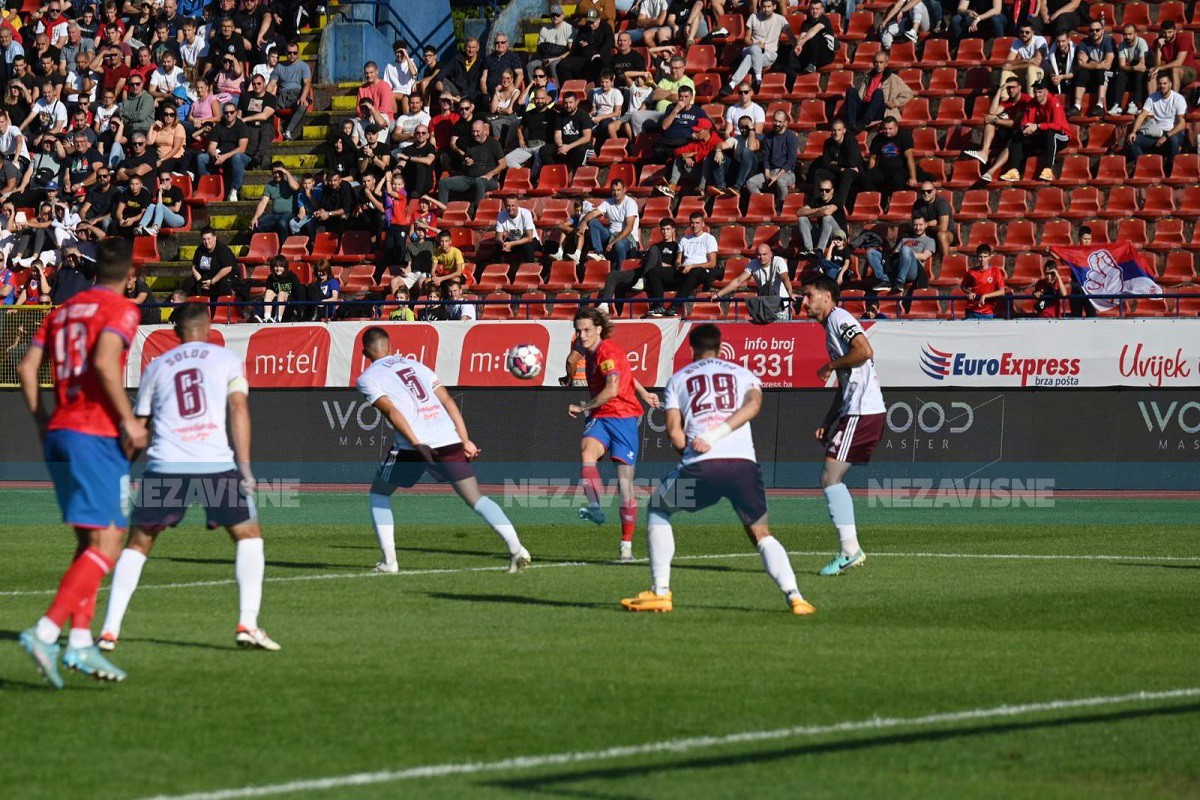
706	393
185	392
412	388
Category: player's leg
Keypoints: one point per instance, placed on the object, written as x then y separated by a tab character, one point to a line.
591	449
250	566
77	599
841	512
660	543
126	576
623	448
777	565
462	478
382	520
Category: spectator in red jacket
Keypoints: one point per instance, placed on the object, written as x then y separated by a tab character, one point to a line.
689	164
1043	130
982	284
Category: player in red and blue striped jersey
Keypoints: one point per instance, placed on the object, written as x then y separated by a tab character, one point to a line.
88	441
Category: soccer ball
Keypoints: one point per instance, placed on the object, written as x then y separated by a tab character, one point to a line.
525	361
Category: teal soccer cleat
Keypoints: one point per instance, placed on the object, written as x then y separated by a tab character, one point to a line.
45	657
591	514
842	563
91	662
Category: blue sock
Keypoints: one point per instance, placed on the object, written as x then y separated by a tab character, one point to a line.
841	511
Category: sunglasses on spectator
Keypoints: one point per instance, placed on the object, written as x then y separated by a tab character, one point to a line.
743	91
927	191
297	52
539	75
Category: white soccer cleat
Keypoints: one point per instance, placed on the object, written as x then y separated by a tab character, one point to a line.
387	566
626	552
107	641
519	562
254	638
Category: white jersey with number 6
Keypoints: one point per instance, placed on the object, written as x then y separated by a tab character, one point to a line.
859	386
706	393
411	386
185	391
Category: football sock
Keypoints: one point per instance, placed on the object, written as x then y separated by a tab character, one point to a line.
46	631
660	541
841	511
124	582
775	562
249	567
385	527
589	476
78	587
494	515
80	638
629	511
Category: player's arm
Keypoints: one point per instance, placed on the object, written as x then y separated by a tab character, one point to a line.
648	397
835	410
460	425
675	429
573	359
106	361
860	352
27	373
239	430
396	419
749	409
611	387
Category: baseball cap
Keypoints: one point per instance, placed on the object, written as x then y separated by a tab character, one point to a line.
839	234
703	124
52	186
592	14
556	10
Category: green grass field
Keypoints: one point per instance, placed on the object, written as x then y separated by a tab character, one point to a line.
525	684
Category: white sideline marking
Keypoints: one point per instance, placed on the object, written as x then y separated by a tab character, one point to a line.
555	564
675	746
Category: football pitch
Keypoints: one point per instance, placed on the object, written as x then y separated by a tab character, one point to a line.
979	653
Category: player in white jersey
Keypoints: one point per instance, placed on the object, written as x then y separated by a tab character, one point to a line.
185	391
854	424
430	436
709	406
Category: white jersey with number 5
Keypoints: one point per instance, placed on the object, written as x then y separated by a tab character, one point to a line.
411	386
185	391
706	393
859	386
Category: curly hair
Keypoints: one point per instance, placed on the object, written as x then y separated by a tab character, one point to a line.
597	318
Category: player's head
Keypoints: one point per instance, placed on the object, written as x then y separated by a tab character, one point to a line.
593	327
192	322
114	261
375	343
705	340
820	294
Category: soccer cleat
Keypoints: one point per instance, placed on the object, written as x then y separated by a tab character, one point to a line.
385	566
648	601
626	552
254	638
107	642
592	513
91	662
1011	176
801	607
842	563
45	657
1046	175
519	562
975	154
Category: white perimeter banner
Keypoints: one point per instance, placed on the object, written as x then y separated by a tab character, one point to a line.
960	353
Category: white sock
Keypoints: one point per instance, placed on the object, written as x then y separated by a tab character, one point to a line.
841	511
848	534
125	579
660	541
385	527
47	632
775	562
79	638
249	568
494	515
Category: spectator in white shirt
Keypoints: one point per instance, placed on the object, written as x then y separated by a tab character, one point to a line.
654	25
1160	125
769	273
762	43
553	44
1025	57
745	107
517	233
697	262
167	78
403	134
401	75
620	239
607	106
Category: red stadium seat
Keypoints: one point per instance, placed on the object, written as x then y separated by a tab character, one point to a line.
594	275
688	205
532	306
709	86
527	278
970	54
774	87
943	81
700	58
552	179
1102	139
868	207
485	215
565	310
763	233
563	275
1001	46
925	304
623	172
705	310
956	141
492	278
585	181
952	112
1159	202
1076	171
1172	10
496	305
1186	171
1056	232
967	171
974	205
262	247
732	240
1027	270
733	268
1168	235
356	247
859	25
209	189
725	209
516	183
954	269
295	248
916	113
1013	204
900	207
864	55
225	314
811	114
145	249
815	145
936	53
458	212
983	233
807	86
1121	202
1179	268
1111	171
853	301
1134	230
1148	171
1050	204
903	53
925	142
1085	202
761	208
1136	14
1018	237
